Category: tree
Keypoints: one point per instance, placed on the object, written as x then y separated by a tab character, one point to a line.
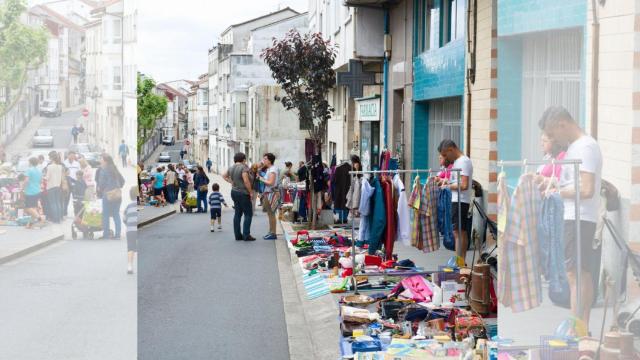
303	67
150	108
22	48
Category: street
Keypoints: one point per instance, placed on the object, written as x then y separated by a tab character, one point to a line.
204	295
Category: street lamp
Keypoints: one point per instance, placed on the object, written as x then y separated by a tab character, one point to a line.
193	143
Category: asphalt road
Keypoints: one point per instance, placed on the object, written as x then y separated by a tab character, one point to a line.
174	151
61	127
204	295
71	301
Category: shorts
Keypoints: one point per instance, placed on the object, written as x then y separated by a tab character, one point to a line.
157	191
590	257
132	240
216	213
466	219
31	201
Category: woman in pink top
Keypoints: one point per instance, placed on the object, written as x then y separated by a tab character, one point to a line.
551	151
89	178
445	172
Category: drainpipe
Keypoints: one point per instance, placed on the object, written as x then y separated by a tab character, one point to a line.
471	71
595	48
387	55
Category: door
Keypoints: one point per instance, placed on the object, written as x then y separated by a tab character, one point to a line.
445	122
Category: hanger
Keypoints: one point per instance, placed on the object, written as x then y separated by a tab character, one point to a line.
553	181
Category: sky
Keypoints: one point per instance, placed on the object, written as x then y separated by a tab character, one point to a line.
175	35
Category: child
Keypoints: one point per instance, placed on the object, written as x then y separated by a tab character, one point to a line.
78	190
131	222
215	203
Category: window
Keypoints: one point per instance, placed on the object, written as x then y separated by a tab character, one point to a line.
445	122
117	31
117	78
202	97
333	148
205	123
243	114
428	25
454	18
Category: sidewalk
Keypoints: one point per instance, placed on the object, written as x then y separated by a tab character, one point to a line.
16	241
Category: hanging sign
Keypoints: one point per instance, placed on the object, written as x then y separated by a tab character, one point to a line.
368	109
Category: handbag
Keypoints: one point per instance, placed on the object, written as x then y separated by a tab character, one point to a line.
114	195
203	188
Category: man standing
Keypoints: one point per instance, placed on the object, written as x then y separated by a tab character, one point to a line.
75	132
209	163
123	151
241	193
450	151
560	126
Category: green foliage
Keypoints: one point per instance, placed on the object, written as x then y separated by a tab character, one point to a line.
22	48
150	108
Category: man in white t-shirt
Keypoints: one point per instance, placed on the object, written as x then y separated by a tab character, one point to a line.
450	151
560	126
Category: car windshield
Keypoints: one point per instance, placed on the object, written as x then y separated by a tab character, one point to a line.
164	153
48	104
43	132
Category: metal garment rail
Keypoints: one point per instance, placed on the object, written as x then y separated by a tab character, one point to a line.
576	174
353	219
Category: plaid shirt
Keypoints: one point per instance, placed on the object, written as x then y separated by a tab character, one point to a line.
519	283
429	215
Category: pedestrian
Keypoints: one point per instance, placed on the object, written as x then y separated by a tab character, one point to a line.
551	150
123	151
131	223
271	194
216	200
158	185
109	185
72	166
445	169
201	183
452	154
53	178
209	163
139	167
181	154
241	194
78	191
184	186
33	192
171	179
75	131
256	185
88	175
562	129
41	162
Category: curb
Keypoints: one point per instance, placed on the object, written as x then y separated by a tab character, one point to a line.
154	219
31	249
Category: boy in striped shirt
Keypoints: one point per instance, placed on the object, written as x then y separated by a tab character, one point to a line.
131	222
215	204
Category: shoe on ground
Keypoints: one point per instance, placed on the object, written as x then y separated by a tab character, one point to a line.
130	270
211	228
271	237
239	239
249	238
219	227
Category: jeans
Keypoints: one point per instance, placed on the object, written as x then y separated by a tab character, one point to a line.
171	193
54	201
242	204
124	161
343	215
111	209
202	198
445	225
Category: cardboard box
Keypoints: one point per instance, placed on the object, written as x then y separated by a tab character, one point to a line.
454	292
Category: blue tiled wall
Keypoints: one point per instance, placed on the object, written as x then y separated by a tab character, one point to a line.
439	73
522	16
420	135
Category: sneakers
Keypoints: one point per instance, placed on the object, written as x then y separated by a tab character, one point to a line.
270	237
129	269
211	228
219	227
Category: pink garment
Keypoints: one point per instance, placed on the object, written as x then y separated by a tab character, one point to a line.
446	172
415	288
553	170
88	176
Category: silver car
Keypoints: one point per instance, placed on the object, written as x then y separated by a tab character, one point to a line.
51	108
164	157
43	137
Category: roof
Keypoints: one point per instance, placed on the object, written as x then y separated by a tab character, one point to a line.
281	21
91	3
57	17
260	17
170	89
103	5
369	3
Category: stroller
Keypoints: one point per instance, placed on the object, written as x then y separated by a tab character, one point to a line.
88	220
189	202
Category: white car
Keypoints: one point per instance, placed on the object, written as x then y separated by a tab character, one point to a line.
168	140
164	157
51	108
43	137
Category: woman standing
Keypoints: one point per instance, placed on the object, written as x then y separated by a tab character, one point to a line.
158	185
171	177
88	175
32	191
53	178
551	150
270	180
201	182
109	185
253	178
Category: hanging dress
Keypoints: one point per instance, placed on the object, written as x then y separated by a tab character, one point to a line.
390	229
404	223
414	208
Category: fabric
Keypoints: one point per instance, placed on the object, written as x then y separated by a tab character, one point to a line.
315	286
590	257
132	240
200	180
171	177
519	285
549	170
109	179
202	201
131	216
366	194
110	209
551	242
267	175
353	195
377	217
72	166
414	204
445	173
159	183
216	200
445	225
215	213
404	225
466	169
341	185
54	176
429	215
417	287
34	181
242	207
390	229
235	173
317	171
587	150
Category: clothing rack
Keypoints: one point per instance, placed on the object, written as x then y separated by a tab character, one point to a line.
353	219
576	174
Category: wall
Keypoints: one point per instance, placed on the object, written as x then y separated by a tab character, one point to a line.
439	73
369	34
523	16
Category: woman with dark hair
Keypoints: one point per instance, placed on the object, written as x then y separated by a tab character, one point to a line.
32	191
109	185
551	150
171	178
270	180
201	183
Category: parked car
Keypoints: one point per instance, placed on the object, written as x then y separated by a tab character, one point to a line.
169	140
43	137
51	108
89	152
164	157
